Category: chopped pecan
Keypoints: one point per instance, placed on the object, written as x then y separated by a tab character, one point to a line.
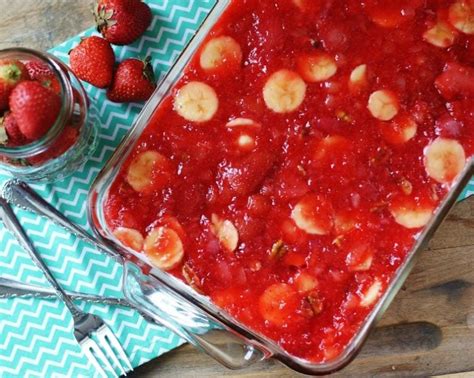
379	207
343	116
406	186
279	249
192	278
315	302
338	241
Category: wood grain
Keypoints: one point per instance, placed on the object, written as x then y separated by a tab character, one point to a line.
428	329
42	24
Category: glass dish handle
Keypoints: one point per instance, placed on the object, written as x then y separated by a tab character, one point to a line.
187	321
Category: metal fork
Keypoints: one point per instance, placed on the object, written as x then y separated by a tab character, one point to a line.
85	325
12	288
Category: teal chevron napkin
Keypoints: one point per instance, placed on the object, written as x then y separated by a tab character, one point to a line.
36	335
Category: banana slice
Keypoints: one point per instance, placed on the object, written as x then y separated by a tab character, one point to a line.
130	238
225	232
344	223
284	91
244	130
409	214
441	35
400	130
383	105
277	303
220	52
238	122
149	171
360	258
371	294
391	13
305	282
444	159
246	142
358	77
314	215
461	16
196	102
316	67
164	248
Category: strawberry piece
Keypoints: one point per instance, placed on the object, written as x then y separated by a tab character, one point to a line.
134	81
122	21
390	14
12	72
93	61
35	108
456	81
462	111
278	304
244	176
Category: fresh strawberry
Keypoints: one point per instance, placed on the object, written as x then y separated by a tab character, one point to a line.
64	142
37	69
122	21
11	73
134	81
15	137
93	61
35	107
40	71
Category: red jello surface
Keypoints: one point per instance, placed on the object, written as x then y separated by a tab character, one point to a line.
294	165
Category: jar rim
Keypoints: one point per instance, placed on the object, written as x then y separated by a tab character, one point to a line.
67	104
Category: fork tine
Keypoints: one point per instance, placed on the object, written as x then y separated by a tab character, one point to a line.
92	349
86	349
104	344
110	341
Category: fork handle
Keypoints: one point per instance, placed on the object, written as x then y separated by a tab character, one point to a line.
21	194
12	223
12	288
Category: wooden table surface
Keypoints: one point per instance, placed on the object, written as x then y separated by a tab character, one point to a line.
429	328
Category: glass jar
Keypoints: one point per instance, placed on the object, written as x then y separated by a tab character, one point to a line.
68	143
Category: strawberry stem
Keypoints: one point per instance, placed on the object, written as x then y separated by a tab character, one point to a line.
10	72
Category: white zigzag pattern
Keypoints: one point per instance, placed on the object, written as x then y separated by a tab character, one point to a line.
105	151
14	347
26	314
10	246
138	338
120	128
63	348
71	260
15	262
104	286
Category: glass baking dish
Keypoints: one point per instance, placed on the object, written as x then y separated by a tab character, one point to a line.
176	296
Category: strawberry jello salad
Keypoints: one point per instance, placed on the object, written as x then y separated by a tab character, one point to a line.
295	163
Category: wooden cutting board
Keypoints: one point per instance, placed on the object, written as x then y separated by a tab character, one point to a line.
429	328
